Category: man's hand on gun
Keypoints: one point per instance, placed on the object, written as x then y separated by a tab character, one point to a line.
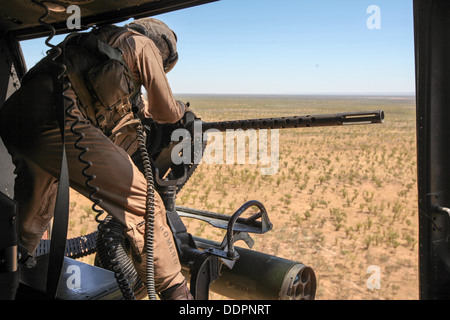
189	115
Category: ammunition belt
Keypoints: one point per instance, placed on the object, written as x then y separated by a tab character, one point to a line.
75	248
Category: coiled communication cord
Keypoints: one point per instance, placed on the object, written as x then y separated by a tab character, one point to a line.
149	214
106	233
55	53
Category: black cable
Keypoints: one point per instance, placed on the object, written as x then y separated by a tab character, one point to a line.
108	236
116	247
54	54
111	247
103	228
58	238
149	214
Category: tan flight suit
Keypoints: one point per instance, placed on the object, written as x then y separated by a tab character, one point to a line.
31	134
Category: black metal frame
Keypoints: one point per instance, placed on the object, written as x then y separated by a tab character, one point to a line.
432	31
114	15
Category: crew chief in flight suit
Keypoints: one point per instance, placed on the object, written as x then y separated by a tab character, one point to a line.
31	134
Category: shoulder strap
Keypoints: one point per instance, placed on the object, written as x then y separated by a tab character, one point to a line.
96	42
109	34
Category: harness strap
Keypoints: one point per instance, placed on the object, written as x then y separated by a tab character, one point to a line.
61	216
87	56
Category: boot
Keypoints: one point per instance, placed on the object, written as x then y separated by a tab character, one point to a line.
177	292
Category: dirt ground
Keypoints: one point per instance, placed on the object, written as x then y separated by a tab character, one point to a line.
343	200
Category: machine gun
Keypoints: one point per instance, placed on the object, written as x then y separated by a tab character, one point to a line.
225	269
160	141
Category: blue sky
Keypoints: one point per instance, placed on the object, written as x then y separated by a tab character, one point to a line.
288	47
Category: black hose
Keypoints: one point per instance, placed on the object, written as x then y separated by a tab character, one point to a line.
112	254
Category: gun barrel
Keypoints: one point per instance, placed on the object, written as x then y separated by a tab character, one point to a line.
319	120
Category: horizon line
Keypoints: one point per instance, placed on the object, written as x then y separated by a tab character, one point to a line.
392	94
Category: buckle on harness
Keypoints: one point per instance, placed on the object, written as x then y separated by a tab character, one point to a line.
25	258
